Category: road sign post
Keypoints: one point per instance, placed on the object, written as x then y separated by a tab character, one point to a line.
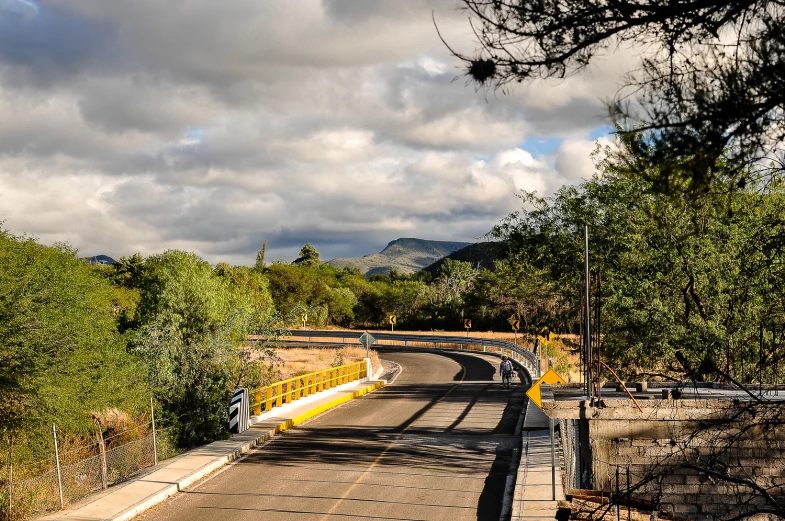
516	325
304	318
467	324
393	321
553	463
367	340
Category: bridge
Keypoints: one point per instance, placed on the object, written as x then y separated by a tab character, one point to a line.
441	443
520	354
438	444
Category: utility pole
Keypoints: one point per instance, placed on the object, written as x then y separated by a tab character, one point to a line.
587	314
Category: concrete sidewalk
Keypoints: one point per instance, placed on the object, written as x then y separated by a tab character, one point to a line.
125	501
533	497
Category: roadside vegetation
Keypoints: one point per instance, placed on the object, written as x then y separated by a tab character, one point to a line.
685	284
681	285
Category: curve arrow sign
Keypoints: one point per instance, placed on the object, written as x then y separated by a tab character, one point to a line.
550	377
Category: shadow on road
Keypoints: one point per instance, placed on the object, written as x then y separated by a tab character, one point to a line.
443	438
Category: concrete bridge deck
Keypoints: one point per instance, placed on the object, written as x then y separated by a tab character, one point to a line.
440	444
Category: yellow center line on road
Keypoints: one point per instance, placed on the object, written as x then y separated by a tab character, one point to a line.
385	451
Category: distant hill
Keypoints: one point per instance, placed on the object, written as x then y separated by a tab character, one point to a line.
405	255
99	259
482	253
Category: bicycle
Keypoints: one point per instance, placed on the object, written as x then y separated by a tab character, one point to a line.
506	379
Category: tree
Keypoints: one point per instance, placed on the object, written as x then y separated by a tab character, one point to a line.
686	283
260	256
319	288
710	86
194	321
455	280
308	256
61	356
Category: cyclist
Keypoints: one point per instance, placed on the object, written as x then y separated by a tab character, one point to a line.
506	370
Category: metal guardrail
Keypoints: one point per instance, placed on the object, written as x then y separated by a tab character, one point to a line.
520	354
286	391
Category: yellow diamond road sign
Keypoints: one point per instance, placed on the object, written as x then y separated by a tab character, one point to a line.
550	377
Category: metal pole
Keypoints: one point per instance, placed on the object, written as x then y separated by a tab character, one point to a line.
10	476
628	494
597	332
581	342
553	463
155	445
618	496
760	362
587	315
57	460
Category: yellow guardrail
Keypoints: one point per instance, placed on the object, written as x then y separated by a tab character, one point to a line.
287	391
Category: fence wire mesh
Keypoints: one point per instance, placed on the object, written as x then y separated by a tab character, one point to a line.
570	439
38	495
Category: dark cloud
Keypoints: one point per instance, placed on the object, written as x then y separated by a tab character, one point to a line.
50	43
147	125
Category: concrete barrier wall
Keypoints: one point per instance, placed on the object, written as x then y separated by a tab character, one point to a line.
696	459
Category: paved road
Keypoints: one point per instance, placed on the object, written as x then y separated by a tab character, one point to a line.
435	445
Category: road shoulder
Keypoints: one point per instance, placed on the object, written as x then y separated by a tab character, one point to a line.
133	497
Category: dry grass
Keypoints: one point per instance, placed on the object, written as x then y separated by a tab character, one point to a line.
303	360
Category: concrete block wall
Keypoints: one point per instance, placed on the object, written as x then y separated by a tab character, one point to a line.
660	445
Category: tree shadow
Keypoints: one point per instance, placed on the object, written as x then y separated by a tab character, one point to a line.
456	439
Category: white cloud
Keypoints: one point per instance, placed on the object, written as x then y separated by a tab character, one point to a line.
147	125
573	158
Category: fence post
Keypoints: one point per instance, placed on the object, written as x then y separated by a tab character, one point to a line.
155	445
57	460
10	477
102	449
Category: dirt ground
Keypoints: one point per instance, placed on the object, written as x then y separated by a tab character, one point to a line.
303	360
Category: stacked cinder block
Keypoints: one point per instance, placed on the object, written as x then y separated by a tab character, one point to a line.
696	459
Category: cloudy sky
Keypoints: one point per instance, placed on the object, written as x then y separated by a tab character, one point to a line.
140	126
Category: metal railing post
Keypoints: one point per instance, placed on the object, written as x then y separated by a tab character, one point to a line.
57	460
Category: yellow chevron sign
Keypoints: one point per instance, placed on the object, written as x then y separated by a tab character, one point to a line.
467	323
516	325
393	320
550	377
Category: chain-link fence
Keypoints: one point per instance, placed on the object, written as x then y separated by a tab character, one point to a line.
26	497
570	439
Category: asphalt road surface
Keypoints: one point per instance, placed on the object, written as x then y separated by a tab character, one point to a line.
435	445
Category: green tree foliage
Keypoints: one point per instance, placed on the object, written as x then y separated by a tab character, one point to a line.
61	356
193	320
453	283
324	291
708	87
682	279
308	256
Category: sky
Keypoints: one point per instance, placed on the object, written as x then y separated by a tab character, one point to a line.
206	126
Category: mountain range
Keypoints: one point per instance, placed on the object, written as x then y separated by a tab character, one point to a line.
479	254
99	259
405	255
